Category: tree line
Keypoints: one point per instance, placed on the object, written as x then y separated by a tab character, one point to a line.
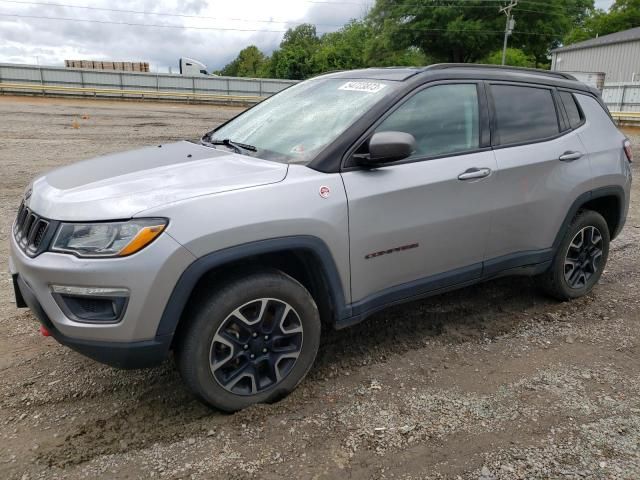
413	33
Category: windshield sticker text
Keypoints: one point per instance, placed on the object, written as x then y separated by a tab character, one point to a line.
370	87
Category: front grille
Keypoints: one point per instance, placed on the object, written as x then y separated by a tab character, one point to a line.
31	230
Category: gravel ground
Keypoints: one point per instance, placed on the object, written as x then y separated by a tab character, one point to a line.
494	381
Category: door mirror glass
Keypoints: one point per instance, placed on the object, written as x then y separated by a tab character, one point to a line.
387	147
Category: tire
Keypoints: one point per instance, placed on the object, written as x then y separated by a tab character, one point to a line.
580	259
251	341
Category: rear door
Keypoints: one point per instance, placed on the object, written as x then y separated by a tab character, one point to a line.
422	223
542	168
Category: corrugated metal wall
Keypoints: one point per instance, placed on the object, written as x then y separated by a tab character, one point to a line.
32	74
619	61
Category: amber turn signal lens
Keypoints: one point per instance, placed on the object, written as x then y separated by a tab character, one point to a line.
141	240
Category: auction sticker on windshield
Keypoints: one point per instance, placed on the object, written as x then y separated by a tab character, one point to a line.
371	87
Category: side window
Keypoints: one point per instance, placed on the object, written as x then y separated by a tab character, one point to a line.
524	114
443	119
575	118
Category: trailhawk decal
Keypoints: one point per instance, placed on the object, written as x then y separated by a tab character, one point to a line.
391	250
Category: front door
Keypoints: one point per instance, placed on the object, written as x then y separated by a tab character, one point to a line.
422	223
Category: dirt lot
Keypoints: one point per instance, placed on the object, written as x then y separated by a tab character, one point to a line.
493	381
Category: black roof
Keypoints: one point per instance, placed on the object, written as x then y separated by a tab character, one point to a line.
386	73
443	71
618	37
500	68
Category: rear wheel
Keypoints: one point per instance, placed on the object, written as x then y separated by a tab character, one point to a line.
251	341
581	258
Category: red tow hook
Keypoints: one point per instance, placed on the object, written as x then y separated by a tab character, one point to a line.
44	331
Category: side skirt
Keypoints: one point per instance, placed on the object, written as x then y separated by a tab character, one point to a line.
525	263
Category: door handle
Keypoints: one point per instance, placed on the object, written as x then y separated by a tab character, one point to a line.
474	173
570	156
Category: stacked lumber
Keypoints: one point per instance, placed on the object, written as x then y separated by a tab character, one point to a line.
103	65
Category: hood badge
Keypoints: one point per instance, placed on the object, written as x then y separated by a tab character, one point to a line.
325	191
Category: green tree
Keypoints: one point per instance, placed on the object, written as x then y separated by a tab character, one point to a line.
344	49
294	59
447	31
380	51
622	15
229	70
514	57
250	62
454	31
412	33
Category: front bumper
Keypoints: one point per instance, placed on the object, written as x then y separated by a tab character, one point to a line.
148	275
140	354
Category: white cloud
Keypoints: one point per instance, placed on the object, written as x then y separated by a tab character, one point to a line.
258	22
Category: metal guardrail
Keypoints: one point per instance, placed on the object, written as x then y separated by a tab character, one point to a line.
121	93
202	87
626	114
631	119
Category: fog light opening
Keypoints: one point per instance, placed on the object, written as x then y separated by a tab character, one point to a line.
91	304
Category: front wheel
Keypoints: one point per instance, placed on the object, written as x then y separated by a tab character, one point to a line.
580	259
251	341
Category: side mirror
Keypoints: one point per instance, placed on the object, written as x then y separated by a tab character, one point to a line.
385	147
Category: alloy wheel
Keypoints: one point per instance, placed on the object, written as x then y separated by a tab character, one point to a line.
583	257
256	346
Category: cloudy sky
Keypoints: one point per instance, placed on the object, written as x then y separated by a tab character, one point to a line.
217	29
212	31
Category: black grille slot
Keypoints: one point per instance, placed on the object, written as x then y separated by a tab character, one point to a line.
41	229
23	213
30	230
29	226
19	217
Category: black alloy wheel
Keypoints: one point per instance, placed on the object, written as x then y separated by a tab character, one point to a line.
583	257
256	346
248	337
580	257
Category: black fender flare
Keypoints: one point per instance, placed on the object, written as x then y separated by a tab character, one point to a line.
194	272
579	202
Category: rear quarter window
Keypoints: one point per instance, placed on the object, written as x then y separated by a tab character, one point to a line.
524	114
570	106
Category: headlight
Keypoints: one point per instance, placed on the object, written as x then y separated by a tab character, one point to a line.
110	239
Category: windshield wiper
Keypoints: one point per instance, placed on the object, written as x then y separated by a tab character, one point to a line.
236	146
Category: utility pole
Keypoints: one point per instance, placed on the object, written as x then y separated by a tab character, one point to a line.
510	25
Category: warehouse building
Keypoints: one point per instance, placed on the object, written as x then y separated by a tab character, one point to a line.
617	55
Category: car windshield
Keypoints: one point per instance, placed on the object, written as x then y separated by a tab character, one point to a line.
294	125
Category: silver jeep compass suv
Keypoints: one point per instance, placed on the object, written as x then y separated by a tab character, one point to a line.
319	206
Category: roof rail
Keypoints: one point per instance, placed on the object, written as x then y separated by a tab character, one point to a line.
535	71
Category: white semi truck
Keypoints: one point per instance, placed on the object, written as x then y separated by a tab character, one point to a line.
189	66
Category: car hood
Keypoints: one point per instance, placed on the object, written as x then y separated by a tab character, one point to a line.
120	185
